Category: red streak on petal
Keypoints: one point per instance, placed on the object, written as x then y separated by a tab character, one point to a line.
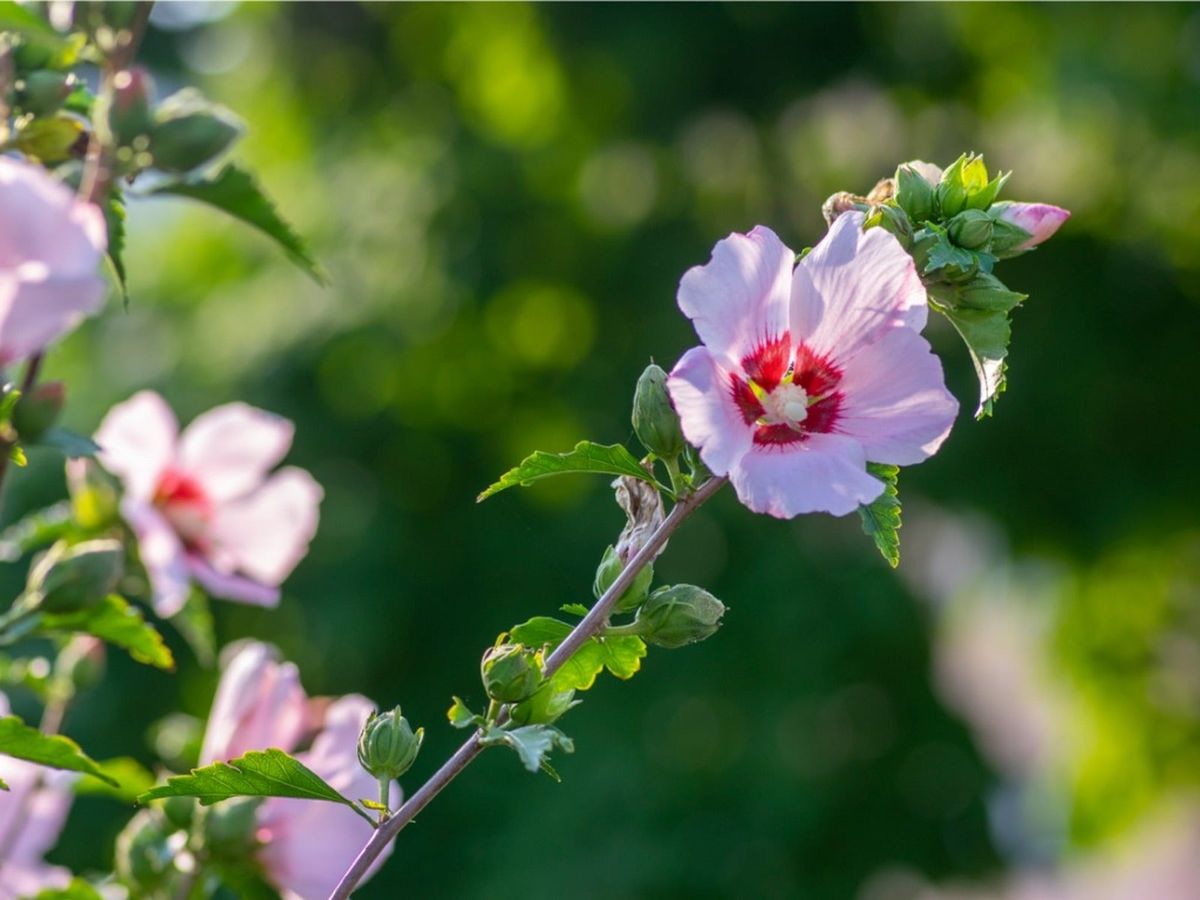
176	487
768	362
816	374
744	397
778	435
823	415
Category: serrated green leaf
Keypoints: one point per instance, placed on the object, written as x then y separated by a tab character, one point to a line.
131	776
621	655
881	517
531	743
258	773
575	609
945	253
587	457
25	742
38	529
78	889
235	191
67	442
986	334
116	621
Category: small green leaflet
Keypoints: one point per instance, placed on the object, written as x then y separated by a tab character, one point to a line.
133	778
575	609
67	442
622	655
235	191
462	717
986	334
114	620
531	743
53	750
78	889
259	773
598	459
881	518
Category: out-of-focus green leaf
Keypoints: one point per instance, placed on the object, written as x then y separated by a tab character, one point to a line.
53	750
78	889
587	457
116	621
38	529
881	517
69	443
195	622
114	218
131	777
235	191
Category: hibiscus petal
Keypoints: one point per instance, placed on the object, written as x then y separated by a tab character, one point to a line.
739	301
53	227
824	473
259	704
137	441
163	556
702	392
895	400
231	448
228	586
35	313
853	288
266	533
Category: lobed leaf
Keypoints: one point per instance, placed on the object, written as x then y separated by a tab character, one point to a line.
986	334
881	517
532	744
587	457
25	742
621	655
114	620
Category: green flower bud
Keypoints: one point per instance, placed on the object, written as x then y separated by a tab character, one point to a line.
675	616
229	826
387	745
143	853
69	578
43	91
81	661
130	112
544	706
915	195
654	418
38	411
971	228
180	811
610	567
94	494
53	139
965	185
189	132
511	672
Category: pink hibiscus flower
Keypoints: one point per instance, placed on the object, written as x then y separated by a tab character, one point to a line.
201	502
50	249
32	813
305	845
809	371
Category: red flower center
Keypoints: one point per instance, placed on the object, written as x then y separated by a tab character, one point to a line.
787	396
185	505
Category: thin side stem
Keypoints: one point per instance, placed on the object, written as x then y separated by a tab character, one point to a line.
591	625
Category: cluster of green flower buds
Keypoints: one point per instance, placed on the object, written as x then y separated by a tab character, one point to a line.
679	615
387	745
511	672
611	566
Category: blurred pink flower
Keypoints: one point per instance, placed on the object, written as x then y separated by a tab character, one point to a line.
306	845
32	813
50	250
202	503
1041	220
809	371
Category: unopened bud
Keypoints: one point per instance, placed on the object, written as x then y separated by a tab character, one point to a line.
130	113
144	853
511	672
971	228
914	193
676	616
44	91
180	811
606	573
69	578
189	132
544	707
229	827
387	745
81	661
654	418
94	494
965	185
38	411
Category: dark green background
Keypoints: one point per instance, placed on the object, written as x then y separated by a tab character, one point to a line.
506	197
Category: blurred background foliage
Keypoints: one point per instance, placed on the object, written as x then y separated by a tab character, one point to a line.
505	197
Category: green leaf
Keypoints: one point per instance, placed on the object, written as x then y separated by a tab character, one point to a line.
575	609
38	529
986	334
131	776
540	631
114	620
53	750
235	191
597	459
460	716
881	517
531	743
69	443
622	655
114	218
195	622
259	773
78	889
14	17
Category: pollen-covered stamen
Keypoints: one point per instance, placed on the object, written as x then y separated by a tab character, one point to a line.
787	404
